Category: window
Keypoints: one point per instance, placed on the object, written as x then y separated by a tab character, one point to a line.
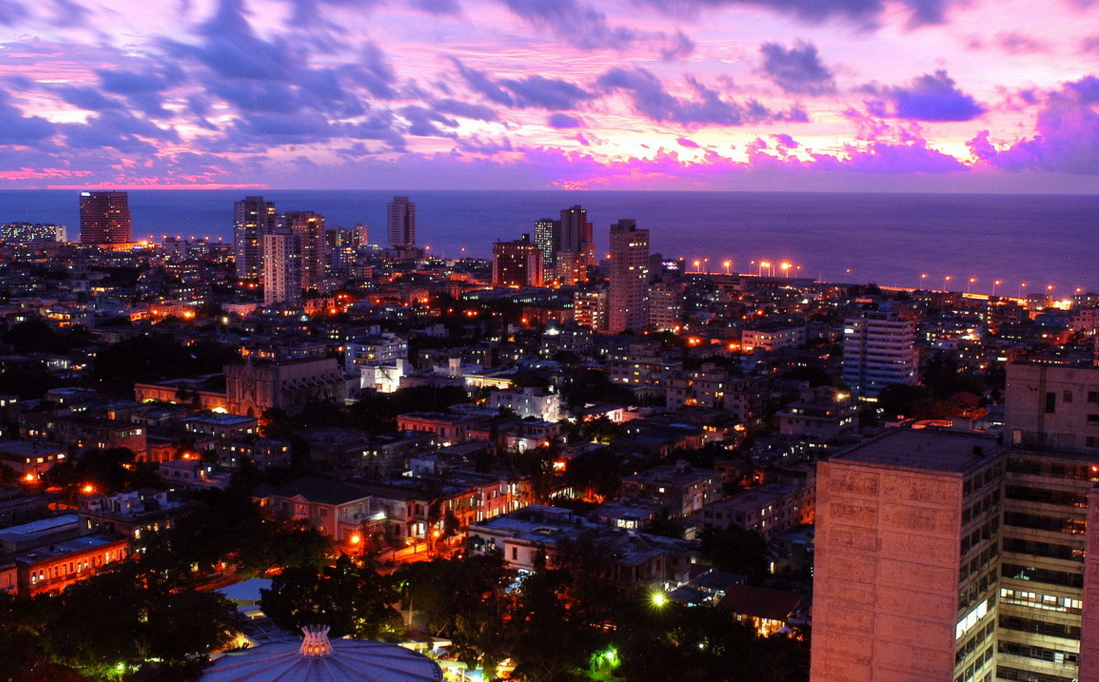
1093	397
1066	396
1051	403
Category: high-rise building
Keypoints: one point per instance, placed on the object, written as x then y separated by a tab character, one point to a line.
574	246
309	227
252	218
281	268
629	277
25	233
401	223
666	306
879	349
547	235
589	308
1052	427
905	520
104	218
907	552
517	263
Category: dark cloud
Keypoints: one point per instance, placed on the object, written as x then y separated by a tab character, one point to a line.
88	99
651	99
17	129
581	25
119	130
1067	138
67	14
680	47
863	13
421	122
1017	43
437	7
12	12
798	69
536	92
931	97
465	109
122	82
563	121
785	140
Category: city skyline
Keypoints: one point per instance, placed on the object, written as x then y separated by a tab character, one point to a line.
919	95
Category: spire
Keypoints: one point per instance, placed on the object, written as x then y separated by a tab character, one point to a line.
316	641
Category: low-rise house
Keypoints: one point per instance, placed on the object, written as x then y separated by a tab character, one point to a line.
679	488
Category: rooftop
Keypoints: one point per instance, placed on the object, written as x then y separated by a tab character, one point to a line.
948	452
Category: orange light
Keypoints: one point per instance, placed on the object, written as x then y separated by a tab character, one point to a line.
29	478
435	533
356	539
89	488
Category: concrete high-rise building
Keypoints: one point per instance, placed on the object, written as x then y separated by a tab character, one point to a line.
1049	581
666	306
628	300
281	268
590	308
517	263
574	246
906	560
309	227
1023	541
252	218
401	223
104	218
879	349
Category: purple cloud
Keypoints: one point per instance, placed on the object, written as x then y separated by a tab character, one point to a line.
531	92
582	25
1067	138
864	13
12	12
651	99
17	129
1090	44
1017	43
465	110
563	121
797	69
931	97
785	140
689	144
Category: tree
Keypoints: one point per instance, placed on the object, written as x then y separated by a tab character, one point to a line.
351	599
736	550
594	474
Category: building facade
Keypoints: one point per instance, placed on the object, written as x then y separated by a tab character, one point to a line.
517	263
628	298
105	218
401	223
252	219
879	349
282	272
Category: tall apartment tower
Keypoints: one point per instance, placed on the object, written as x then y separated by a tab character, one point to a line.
105	218
517	263
907	557
879	349
574	246
1049	578
309	227
547	235
401	223
628	300
282	272
252	218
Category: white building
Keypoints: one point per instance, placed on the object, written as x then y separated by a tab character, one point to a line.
281	269
879	349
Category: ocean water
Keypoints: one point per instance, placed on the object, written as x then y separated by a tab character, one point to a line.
890	239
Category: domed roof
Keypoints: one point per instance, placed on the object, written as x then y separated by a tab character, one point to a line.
317	659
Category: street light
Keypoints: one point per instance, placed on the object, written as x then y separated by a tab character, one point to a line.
764	264
1019	294
785	267
946	281
995	283
728	264
972	280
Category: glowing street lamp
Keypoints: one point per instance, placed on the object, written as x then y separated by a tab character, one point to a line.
728	264
785	267
764	264
946	281
698	265
1022	286
923	279
658	599
995	283
972	280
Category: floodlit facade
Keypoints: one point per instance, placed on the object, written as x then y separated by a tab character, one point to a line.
401	223
282	278
252	219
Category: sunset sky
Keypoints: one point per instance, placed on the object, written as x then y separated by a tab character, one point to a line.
916	95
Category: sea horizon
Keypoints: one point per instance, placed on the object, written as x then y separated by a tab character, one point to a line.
889	238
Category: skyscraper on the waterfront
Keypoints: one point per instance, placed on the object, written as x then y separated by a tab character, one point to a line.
104	218
252	219
309	227
281	268
517	263
629	277
879	349
401	223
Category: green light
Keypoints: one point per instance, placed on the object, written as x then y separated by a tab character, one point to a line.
659	599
